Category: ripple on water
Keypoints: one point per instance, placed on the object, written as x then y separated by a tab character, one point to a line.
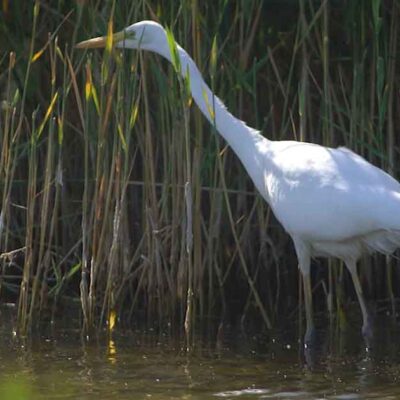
243	392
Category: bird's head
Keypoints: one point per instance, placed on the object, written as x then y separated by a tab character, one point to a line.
148	35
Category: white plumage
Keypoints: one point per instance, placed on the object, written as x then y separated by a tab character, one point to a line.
332	202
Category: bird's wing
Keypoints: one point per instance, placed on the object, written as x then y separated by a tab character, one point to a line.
330	194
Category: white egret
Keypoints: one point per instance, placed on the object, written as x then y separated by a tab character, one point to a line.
332	202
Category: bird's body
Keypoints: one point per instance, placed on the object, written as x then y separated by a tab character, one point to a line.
332	202
324	194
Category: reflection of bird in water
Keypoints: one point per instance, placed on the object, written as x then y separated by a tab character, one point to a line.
332	202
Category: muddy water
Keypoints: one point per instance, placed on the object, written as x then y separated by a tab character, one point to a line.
59	364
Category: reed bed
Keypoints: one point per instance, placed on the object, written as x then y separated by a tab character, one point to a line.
119	201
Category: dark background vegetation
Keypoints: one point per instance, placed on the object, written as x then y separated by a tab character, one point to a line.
93	162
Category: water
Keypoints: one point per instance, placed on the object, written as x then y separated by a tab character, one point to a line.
143	365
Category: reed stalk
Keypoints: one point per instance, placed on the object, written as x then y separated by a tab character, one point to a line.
116	194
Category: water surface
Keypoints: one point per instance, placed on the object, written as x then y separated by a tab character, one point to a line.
143	365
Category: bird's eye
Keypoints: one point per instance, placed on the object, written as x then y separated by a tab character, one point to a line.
130	34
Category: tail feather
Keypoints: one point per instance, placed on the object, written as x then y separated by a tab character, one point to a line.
385	242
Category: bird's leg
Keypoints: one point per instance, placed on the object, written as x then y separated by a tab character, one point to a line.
366	328
303	255
310	332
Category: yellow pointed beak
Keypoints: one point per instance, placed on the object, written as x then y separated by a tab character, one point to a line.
100	42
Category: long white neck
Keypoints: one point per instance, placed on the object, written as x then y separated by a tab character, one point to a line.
246	142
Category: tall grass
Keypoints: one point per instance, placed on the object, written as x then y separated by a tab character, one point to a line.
118	198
